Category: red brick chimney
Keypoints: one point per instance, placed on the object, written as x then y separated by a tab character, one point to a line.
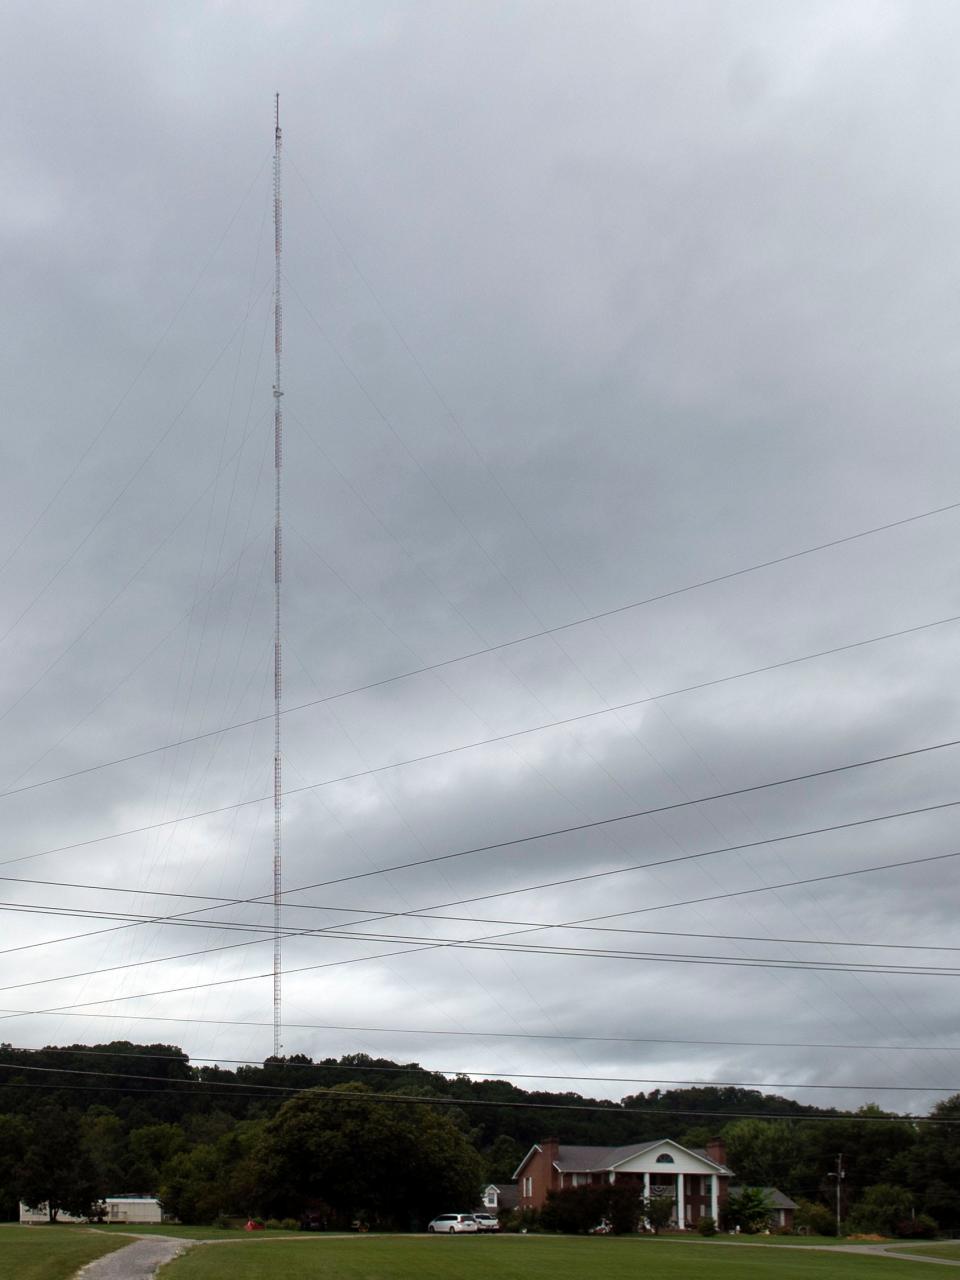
716	1150
550	1148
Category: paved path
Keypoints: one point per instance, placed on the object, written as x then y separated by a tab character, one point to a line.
139	1260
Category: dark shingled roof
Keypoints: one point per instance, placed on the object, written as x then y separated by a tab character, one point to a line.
775	1197
592	1159
508	1193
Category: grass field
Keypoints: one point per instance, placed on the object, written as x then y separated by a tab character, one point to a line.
948	1249
190	1233
525	1258
50	1253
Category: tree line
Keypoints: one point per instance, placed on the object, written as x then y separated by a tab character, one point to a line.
329	1137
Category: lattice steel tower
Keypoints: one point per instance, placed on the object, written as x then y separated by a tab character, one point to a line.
277	574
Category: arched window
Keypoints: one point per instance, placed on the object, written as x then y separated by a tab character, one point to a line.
665	1159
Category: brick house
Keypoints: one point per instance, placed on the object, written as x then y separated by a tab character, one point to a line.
698	1180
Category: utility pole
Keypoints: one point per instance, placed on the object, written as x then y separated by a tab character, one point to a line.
839	1176
277	573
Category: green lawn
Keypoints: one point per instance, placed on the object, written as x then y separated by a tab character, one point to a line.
524	1258
189	1233
49	1253
947	1249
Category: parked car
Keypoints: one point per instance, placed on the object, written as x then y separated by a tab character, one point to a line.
487	1222
454	1222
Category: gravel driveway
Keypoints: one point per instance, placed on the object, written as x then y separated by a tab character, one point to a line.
137	1261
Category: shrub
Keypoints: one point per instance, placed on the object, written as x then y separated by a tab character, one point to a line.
273	1224
922	1227
658	1211
815	1219
707	1227
289	1224
578	1210
222	1221
880	1209
749	1209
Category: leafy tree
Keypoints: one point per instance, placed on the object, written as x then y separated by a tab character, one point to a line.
765	1153
932	1168
56	1170
392	1164
192	1189
749	1209
574	1210
658	1211
105	1147
502	1157
880	1209
816	1218
578	1210
14	1135
149	1148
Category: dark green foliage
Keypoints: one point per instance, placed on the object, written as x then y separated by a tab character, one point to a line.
880	1209
749	1209
579	1210
919	1227
56	1169
14	1136
501	1158
817	1219
202	1147
658	1211
707	1226
392	1165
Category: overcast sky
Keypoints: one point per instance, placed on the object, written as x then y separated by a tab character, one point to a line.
584	303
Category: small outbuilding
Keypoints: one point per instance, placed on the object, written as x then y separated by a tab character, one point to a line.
134	1208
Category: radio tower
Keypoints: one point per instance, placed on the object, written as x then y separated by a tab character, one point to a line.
277	571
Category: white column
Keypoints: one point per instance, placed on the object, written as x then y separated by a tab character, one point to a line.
646	1186
715	1198
681	1217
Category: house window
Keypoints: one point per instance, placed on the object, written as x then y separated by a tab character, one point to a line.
528	1187
581	1179
490	1199
665	1159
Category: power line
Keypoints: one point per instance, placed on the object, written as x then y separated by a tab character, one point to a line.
519	948
480	742
443	1100
478	945
500	844
181	918
490	1076
210	1091
545	925
511	1035
634	604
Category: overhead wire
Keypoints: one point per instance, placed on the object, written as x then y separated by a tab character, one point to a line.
493	1034
442	1100
500	893
574	828
477	944
398	1068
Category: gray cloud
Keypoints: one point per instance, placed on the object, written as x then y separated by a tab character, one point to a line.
583	306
